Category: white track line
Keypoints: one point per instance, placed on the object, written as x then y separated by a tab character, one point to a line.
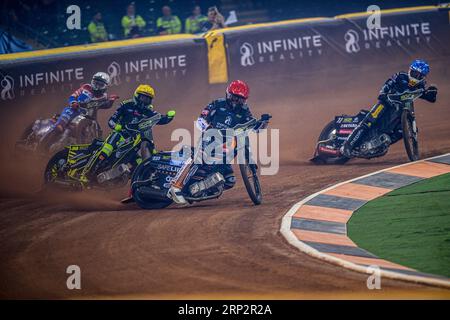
303	247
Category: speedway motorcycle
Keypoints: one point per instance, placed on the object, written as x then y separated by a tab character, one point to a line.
66	166
82	130
376	143
152	179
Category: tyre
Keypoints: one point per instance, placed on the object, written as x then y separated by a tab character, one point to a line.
54	169
142	173
250	176
410	136
326	134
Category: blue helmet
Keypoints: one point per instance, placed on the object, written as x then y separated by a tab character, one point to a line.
418	71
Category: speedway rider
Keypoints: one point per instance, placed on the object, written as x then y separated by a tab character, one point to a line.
220	114
381	112
88	95
129	111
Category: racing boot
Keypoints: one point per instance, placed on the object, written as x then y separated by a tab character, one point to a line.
95	163
346	151
91	169
178	182
228	174
353	139
176	195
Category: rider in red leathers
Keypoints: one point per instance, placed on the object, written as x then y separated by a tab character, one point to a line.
220	114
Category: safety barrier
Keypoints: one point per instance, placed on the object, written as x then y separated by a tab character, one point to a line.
169	64
302	48
271	52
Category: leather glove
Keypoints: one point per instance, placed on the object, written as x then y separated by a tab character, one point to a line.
75	105
202	124
432	88
118	127
431	93
171	113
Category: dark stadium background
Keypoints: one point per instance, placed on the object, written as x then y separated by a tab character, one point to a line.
42	23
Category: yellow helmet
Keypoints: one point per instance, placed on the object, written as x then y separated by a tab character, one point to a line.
146	90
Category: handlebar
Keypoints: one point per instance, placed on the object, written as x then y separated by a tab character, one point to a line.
405	97
235	134
242	129
253	122
144	124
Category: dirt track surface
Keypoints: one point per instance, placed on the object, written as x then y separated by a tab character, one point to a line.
223	248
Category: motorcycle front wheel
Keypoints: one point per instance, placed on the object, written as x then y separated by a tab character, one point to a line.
54	169
250	176
410	135
327	132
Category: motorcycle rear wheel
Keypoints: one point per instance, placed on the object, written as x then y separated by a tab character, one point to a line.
410	136
251	181
142	173
325	134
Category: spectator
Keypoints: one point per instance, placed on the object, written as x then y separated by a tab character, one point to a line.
97	29
132	24
10	44
195	22
215	20
168	23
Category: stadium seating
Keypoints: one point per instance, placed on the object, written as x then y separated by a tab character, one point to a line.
45	20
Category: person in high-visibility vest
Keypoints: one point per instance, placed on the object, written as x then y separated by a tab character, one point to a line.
97	29
132	24
168	23
195	22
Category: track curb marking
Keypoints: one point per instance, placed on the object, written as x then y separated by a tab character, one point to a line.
404	273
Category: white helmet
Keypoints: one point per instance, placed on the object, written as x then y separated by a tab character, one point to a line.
100	82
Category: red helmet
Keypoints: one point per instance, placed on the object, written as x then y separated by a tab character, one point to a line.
237	93
239	88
